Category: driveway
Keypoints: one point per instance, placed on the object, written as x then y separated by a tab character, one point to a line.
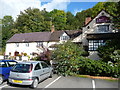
69	82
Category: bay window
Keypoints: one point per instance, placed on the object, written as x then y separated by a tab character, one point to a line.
94	44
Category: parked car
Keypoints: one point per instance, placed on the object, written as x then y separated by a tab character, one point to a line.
5	67
30	73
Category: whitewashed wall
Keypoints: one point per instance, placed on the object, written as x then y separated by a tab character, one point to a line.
11	48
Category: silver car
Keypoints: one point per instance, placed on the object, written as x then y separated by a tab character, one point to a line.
29	73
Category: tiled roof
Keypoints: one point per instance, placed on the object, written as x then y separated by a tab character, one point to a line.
55	36
73	33
43	36
30	37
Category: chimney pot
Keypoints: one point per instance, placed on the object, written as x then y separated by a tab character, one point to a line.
52	29
87	20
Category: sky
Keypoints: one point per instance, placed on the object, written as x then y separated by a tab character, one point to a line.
13	7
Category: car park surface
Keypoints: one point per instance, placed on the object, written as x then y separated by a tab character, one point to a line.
5	67
69	82
30	73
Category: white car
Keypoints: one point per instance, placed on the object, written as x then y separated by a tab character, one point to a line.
29	73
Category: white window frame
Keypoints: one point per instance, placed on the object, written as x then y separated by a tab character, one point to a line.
27	44
94	44
39	44
64	38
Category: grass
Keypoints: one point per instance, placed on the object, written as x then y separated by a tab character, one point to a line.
97	77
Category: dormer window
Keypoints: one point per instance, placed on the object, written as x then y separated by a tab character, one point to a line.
64	38
103	28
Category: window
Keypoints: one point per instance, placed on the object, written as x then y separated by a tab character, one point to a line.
22	68
3	64
44	65
103	28
17	44
39	44
88	27
27	44
64	38
37	67
11	64
94	44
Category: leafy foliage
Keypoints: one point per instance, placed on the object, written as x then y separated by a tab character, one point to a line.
7	25
32	20
58	18
105	51
116	19
98	68
67	55
70	61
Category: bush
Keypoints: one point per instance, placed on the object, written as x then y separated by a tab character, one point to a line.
67	55
25	54
70	61
98	68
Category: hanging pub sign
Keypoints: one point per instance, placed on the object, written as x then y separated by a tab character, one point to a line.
103	19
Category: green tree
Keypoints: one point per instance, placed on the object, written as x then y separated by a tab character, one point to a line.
68	56
116	19
58	18
70	21
80	16
7	25
32	20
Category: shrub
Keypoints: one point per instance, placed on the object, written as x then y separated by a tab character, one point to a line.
70	61
98	68
68	55
25	54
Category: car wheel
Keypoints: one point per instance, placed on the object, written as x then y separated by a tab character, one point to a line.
35	83
51	74
1	79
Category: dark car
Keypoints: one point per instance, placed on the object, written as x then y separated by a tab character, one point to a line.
5	67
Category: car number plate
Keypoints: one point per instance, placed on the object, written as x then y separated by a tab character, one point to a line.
17	81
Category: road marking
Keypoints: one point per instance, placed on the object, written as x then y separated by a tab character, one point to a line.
52	82
93	83
3	86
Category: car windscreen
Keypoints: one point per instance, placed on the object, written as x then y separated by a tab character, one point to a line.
21	68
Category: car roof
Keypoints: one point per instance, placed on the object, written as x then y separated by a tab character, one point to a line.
29	62
5	60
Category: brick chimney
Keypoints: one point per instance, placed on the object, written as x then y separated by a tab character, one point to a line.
87	20
52	28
